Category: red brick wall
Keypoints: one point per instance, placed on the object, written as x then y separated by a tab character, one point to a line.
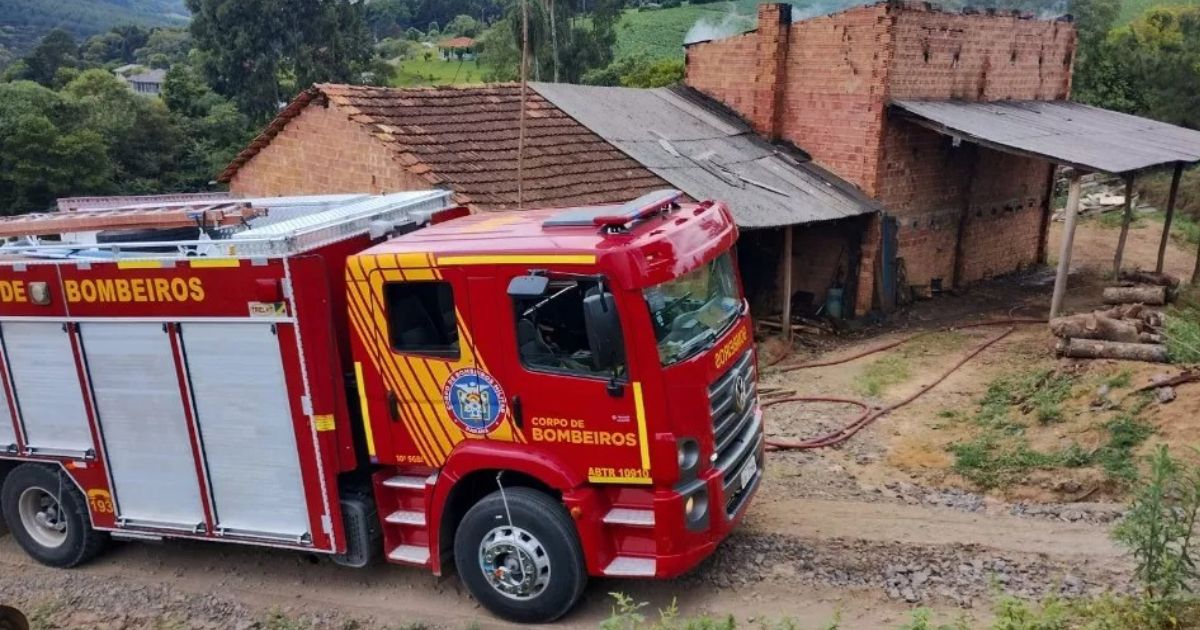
322	151
941	55
726	70
833	103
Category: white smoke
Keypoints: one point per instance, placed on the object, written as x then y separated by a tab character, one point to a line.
705	29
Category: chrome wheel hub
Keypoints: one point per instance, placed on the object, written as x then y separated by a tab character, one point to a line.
42	517
514	562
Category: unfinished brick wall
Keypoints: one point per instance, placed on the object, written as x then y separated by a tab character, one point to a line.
322	151
842	70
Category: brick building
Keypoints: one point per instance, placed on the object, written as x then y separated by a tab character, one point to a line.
961	212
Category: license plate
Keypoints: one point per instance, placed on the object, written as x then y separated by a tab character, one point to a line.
748	472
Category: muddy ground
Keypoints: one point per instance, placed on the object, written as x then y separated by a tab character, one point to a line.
863	532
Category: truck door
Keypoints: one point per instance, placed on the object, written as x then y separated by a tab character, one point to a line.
538	348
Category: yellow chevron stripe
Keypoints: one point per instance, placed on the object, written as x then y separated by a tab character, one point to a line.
381	356
407	416
366	409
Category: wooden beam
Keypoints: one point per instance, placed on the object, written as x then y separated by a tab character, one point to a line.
787	282
1125	221
1068	244
1166	233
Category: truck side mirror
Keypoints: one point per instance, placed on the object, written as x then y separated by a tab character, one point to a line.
603	329
528	286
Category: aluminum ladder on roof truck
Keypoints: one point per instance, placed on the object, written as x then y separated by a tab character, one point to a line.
537	397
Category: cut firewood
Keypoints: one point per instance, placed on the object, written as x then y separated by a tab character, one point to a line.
1095	326
1095	349
1155	295
1150	277
1147	337
1124	311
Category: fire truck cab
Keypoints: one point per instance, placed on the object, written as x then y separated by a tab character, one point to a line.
529	397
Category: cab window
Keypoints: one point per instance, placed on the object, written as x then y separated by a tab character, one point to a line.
551	335
421	318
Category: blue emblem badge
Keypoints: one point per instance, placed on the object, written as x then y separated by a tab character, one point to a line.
475	400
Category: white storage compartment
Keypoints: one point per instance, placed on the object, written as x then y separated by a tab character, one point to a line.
8	431
246	429
142	424
49	396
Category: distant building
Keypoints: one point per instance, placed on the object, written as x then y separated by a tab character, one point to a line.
141	80
459	47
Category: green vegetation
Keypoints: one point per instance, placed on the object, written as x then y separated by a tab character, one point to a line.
412	72
24	22
659	33
1132	9
1000	454
1182	329
881	374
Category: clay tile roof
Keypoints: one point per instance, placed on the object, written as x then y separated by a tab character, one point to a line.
465	139
458	42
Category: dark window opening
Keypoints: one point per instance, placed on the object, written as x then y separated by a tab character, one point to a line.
421	318
552	334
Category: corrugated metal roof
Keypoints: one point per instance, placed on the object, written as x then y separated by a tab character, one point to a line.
709	155
1072	134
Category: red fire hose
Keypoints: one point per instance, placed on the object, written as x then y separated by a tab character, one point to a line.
870	414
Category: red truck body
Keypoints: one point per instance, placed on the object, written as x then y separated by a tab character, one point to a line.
326	395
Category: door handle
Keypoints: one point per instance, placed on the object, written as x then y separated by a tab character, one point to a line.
518	417
393	403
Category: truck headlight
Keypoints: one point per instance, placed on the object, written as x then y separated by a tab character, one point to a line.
695	510
688	454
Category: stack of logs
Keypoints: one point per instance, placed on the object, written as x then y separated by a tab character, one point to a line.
1130	329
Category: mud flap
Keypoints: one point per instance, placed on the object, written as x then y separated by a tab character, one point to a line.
364	538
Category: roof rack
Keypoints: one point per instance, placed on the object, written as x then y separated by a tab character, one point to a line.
612	218
326	225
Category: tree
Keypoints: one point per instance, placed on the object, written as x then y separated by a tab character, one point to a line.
463	26
582	44
639	72
171	43
56	50
247	47
386	18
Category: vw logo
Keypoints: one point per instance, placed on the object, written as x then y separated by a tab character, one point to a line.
741	391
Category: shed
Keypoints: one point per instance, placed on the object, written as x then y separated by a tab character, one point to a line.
1084	138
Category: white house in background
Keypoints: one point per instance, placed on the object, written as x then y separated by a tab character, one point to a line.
140	79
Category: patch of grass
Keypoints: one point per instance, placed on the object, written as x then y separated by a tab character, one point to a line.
936	343
1121	379
659	33
992	461
1001	455
417	72
1182	329
1114	218
881	374
1040	392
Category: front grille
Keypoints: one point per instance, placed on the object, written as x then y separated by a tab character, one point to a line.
737	435
728	420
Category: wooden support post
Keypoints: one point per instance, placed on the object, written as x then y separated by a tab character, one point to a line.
786	320
1166	234
1125	221
1196	271
1068	243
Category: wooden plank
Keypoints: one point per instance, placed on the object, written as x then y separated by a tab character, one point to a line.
1068	244
1125	221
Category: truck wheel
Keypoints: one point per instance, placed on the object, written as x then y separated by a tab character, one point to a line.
529	570
49	517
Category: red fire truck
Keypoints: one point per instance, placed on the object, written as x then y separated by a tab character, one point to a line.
534	396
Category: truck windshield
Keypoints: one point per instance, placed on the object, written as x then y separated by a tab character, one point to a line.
692	310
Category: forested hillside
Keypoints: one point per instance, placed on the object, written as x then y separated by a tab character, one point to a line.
24	22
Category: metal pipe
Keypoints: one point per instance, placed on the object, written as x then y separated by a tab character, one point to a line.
1068	244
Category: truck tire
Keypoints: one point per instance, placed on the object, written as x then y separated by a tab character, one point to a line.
529	570
48	517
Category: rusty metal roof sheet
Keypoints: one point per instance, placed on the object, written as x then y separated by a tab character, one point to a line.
686	140
1072	134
